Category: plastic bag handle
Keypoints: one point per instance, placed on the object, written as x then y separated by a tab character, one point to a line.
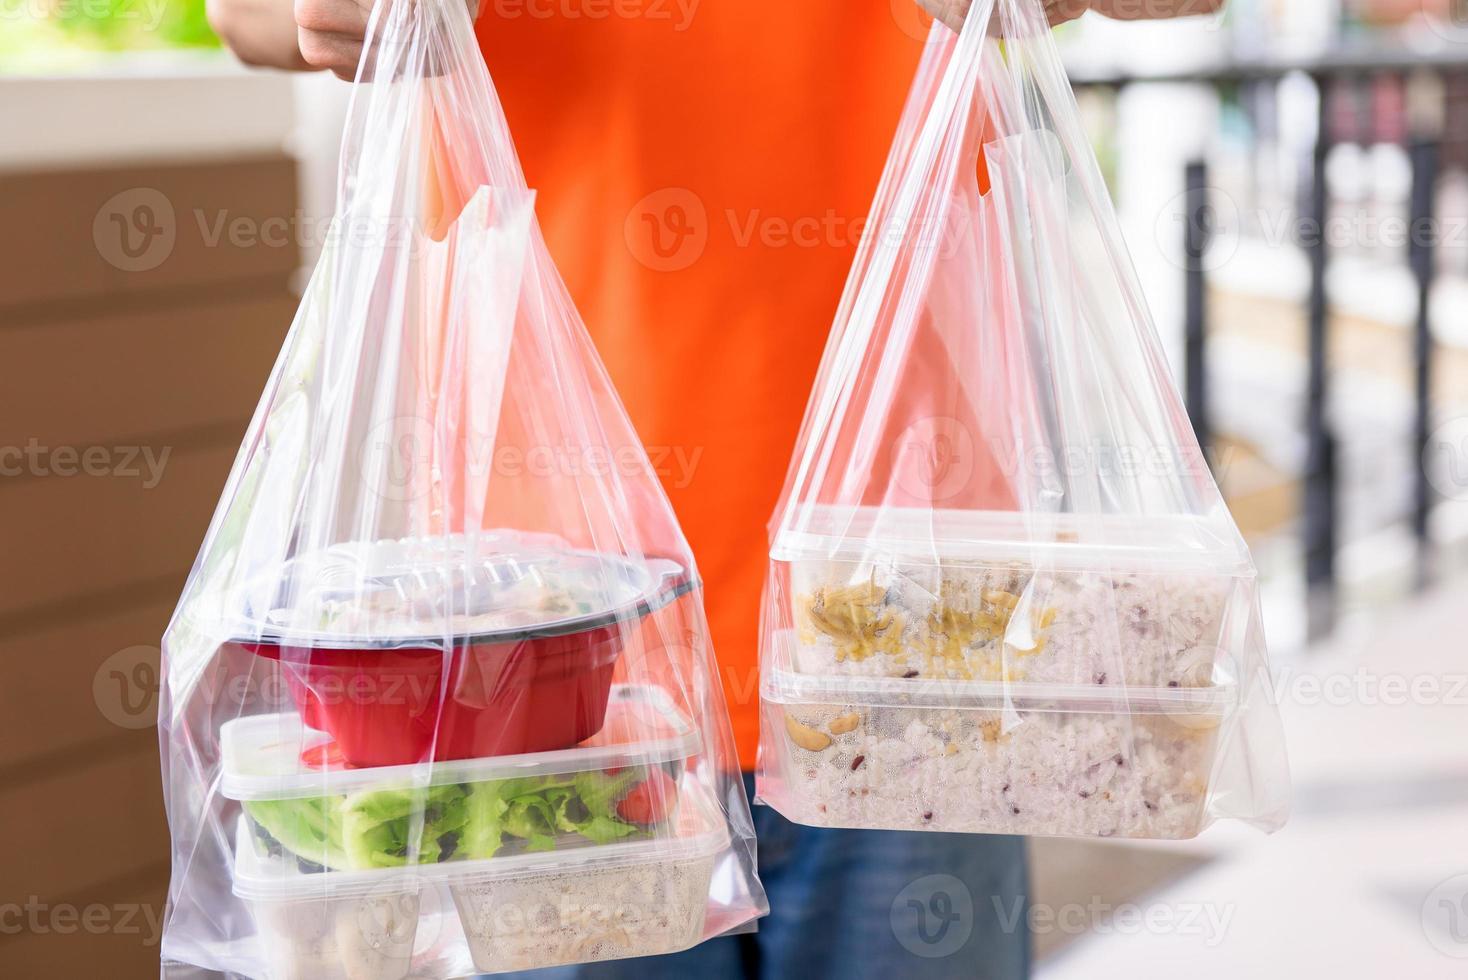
424	100
934	148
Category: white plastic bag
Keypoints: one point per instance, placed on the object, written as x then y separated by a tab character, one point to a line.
438	696
1005	595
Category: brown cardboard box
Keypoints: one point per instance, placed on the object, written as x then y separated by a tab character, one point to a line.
136	311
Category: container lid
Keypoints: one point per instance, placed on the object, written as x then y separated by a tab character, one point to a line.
264	756
913	534
783	685
701	832
495	586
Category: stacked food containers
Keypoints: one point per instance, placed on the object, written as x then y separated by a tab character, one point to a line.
1005	594
439	697
497	785
1070	681
593	852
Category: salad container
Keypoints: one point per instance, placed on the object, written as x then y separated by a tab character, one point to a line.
303	804
453	648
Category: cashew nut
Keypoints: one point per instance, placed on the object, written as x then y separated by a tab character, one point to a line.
805	736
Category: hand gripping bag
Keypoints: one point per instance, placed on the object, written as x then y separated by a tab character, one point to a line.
438	697
1005	595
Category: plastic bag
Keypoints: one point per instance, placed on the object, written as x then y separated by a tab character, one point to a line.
438	696
1005	595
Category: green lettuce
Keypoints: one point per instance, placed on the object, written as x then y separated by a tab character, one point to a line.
393	828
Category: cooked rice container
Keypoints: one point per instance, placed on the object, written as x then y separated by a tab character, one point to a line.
985	757
643	898
999	596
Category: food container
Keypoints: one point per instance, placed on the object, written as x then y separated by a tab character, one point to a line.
337	926
985	757
517	912
303	806
1093	600
641	898
527	629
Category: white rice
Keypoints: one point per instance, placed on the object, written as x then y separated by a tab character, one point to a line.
1035	772
585	915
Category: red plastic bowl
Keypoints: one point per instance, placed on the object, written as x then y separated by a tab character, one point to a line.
385	707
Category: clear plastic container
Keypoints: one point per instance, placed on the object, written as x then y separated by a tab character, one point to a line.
1103	601
495	584
519	912
642	898
303	804
985	757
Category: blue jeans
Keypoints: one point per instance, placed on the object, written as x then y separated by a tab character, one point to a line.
848	904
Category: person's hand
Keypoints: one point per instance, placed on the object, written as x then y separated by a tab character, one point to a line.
301	35
330	33
952	12
261	33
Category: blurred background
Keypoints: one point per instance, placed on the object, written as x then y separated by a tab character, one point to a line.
1292	176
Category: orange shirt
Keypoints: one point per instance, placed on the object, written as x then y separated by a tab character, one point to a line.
702	169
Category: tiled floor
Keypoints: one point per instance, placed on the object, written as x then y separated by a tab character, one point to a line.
1370	878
